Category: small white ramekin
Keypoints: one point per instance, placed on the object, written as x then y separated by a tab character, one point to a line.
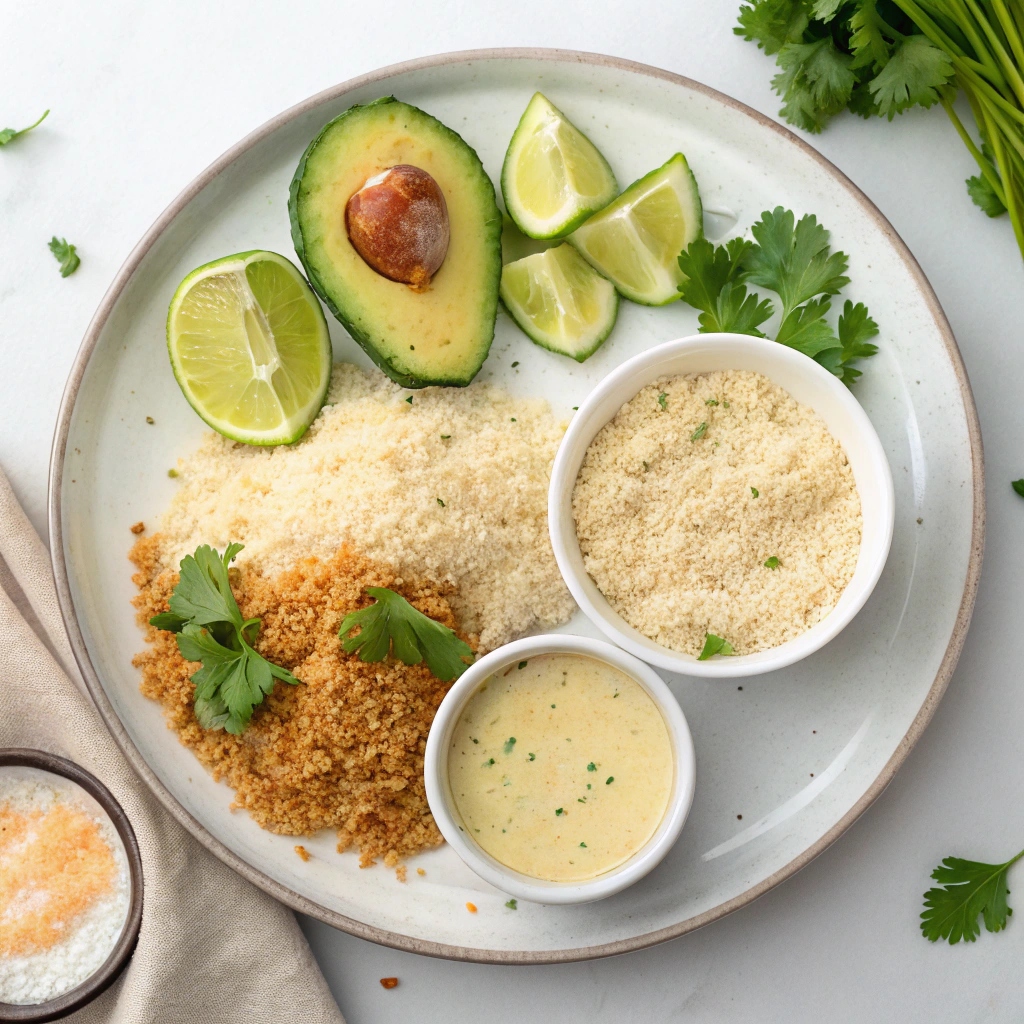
811	385
526	887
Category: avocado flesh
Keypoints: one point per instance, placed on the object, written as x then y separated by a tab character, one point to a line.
441	335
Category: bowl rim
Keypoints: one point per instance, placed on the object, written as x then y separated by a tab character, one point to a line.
108	972
386	936
515	883
642	370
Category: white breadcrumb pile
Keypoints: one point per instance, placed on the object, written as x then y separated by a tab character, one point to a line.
445	484
695	484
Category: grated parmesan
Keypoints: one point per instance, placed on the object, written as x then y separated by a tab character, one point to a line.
695	484
450	487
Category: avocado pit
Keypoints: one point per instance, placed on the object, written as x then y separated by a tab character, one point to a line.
398	223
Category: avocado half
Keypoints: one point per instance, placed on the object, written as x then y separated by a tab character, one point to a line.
438	336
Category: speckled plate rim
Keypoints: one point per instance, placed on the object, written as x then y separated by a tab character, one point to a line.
108	972
384	936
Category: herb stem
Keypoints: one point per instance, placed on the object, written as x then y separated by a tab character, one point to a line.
983	164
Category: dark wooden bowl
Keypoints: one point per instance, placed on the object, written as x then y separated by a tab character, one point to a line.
108	971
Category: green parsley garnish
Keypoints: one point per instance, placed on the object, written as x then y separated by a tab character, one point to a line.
794	259
1018	486
699	432
10	134
772	562
210	629
714	645
968	889
646	467
446	437
584	845
66	255
488	763
521	665
512	418
755	492
663	400
172	473
409	399
532	757
711	401
440	502
511	904
392	625
581	799
609	780
515	364
559	811
509	744
589	786
591	767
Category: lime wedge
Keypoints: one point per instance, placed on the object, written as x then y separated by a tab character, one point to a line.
560	301
553	177
250	348
635	241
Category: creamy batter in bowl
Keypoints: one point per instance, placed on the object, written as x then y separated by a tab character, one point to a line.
560	769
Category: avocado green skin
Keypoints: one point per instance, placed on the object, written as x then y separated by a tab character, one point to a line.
492	228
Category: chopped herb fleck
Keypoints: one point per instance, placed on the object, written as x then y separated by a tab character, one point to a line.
711	401
646	467
663	401
172	473
591	767
581	799
699	432
65	254
533	757
725	403
615	694
714	645
511	904
440	502
489	762
575	408
509	744
515	364
552	705
446	437
589	786
559	811
150	420
512	418
522	664
772	563
584	845
409	399
609	780
755	492
476	741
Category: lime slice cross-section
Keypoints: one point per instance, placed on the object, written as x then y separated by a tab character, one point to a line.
635	241
553	177
250	348
560	301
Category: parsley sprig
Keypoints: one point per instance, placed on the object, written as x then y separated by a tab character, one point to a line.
392	625
66	255
10	134
881	57
794	259
968	889
234	678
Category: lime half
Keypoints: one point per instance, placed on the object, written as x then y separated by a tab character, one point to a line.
560	301
635	241
553	177
250	348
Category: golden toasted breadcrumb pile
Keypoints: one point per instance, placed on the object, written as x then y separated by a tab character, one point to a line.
342	750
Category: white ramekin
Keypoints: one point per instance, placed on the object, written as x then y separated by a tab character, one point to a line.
811	385
515	883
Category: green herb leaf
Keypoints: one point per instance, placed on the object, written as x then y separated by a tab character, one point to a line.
233	677
914	75
10	134
870	36
772	562
713	286
806	329
609	780
509	744
663	401
711	401
559	811
772	23
392	625
968	890
512	904
699	432
755	492
794	258
816	82
983	195
65	254
714	645
1018	487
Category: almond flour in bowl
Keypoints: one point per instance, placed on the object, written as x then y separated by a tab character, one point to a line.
714	503
65	886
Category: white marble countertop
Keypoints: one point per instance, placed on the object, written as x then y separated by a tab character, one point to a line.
144	96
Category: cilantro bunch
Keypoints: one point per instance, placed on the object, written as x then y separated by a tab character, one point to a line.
794	259
233	678
881	57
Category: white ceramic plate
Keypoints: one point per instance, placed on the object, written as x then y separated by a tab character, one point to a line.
788	760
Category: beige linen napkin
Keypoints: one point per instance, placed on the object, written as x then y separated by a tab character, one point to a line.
213	948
